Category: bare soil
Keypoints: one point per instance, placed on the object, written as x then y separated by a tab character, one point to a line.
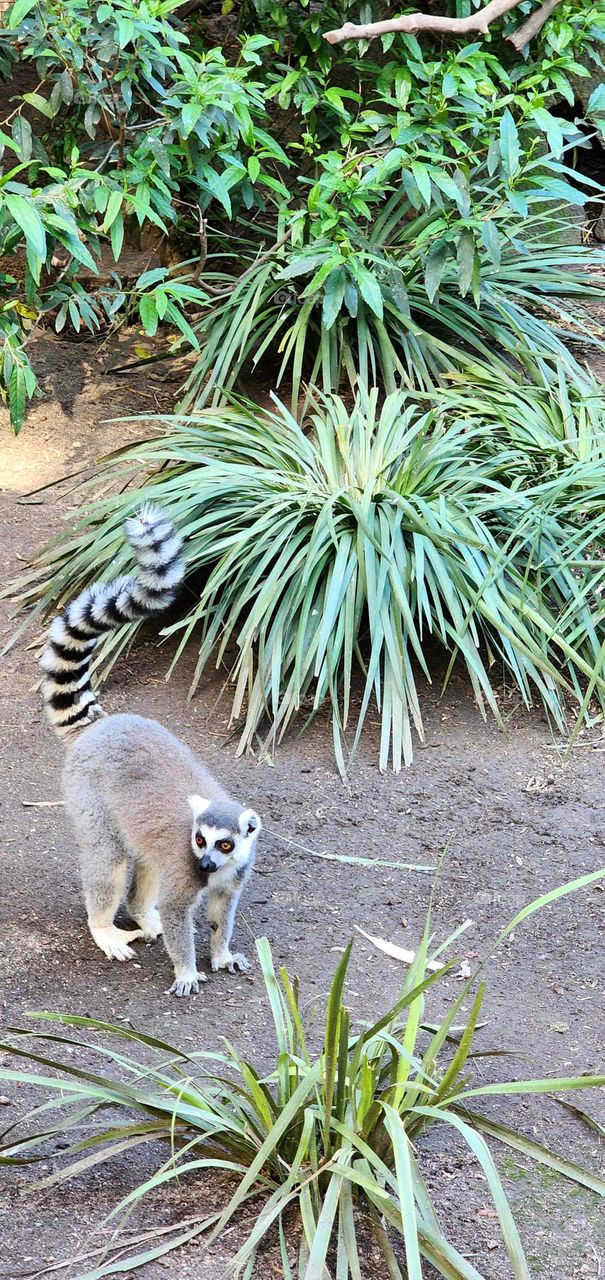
521	817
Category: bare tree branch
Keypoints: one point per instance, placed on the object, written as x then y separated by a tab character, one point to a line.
533	24
412	22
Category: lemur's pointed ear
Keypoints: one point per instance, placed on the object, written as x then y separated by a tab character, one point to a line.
250	823
197	805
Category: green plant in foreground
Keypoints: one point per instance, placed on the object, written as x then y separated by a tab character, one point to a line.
332	557
325	1137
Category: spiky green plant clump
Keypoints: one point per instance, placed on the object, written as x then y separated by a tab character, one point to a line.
326	1136
336	554
364	315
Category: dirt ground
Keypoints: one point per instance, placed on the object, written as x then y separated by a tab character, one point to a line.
521	816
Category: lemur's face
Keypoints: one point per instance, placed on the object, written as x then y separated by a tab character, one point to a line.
222	833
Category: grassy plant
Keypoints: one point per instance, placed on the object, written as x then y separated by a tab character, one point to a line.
551	423
386	307
327	1135
336	555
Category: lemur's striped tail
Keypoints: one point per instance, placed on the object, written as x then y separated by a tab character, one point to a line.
67	692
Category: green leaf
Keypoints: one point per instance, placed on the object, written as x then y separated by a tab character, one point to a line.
510	147
434	268
351	297
596	101
331	1041
464	195
27	217
334	291
126	31
493	156
18	11
422	179
491	240
190	115
151	277
447	185
563	190
17	397
548	1084
405	1184
482	1153
465	258
65	86
39	103
117	236
253	167
80	252
21	131
549	125
370	290
533	1150
149	313
545	900
217	185
114	204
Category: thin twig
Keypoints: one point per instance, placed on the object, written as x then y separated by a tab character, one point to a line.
17	111
203	244
42	804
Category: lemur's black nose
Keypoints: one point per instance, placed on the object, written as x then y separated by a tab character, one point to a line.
207	864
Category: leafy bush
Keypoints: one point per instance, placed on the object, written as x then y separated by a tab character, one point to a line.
127	124
338	551
403	175
325	1135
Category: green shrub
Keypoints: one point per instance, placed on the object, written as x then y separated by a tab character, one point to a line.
129	124
334	555
551	423
324	1138
404	175
387	306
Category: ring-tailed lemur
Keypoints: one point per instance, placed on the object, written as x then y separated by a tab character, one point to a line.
137	796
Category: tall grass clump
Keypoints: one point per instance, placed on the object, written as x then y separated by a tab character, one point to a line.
342	558
388	308
329	1140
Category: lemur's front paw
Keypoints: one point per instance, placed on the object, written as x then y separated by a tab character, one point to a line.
234	963
187	984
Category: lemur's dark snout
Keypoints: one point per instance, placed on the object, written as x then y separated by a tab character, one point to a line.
207	864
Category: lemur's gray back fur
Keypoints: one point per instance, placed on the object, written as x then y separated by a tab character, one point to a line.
69	699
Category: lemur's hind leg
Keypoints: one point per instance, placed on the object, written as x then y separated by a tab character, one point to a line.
104	867
143	900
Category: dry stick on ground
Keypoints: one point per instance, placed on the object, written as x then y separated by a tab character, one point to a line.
413	22
533	25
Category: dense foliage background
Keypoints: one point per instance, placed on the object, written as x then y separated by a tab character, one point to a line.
341	209
399	219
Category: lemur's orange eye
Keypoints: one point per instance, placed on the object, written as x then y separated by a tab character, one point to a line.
200	840
226	846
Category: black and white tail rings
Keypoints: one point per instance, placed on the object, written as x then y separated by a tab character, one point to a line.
69	700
